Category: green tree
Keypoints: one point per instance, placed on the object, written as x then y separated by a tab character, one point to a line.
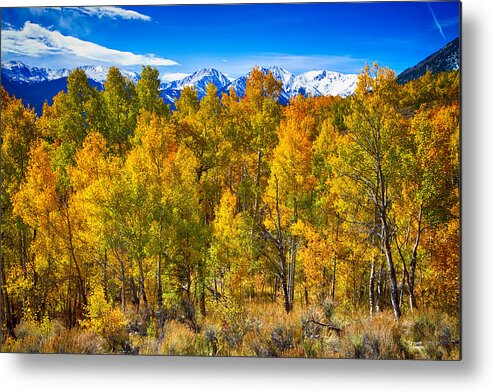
120	98
147	89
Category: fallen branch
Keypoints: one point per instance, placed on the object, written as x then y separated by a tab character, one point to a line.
331	327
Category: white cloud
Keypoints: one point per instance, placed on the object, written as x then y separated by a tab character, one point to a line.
106	12
34	40
171	76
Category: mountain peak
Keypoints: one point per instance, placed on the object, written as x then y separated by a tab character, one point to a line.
199	79
12	63
205	71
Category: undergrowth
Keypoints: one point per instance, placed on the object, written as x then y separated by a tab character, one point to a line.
263	330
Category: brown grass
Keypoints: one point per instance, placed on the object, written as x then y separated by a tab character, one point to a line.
262	330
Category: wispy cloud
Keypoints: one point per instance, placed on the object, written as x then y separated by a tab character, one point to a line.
34	40
105	12
437	24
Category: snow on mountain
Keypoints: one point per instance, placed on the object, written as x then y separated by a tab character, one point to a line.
323	82
239	85
282	75
311	83
98	73
199	79
17	71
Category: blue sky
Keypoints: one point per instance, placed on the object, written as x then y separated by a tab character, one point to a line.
232	38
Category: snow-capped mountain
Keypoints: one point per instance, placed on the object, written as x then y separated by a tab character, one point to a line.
239	85
199	79
311	83
99	73
444	59
280	74
17	71
321	82
20	79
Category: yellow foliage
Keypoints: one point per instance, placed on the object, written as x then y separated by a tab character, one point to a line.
102	317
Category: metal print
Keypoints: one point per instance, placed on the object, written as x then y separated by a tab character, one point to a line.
271	180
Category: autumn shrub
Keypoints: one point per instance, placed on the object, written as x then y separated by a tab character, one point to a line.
105	320
76	340
32	335
210	335
317	339
328	308
434	335
180	339
272	332
50	336
236	322
377	337
182	310
28	339
282	338
310	330
263	349
138	320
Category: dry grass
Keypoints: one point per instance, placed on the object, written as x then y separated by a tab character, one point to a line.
262	330
52	337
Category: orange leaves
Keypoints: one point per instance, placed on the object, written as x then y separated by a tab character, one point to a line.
259	85
293	156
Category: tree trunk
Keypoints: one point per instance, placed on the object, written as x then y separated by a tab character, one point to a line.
386	237
142	283
371	288
414	259
159	283
333	287
105	275
378	304
285	291
282	255
257	185
394	296
5	307
80	280
202	298
292	269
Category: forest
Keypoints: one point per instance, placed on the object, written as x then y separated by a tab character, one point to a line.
234	226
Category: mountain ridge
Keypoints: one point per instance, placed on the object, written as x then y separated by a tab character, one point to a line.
445	59
19	78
